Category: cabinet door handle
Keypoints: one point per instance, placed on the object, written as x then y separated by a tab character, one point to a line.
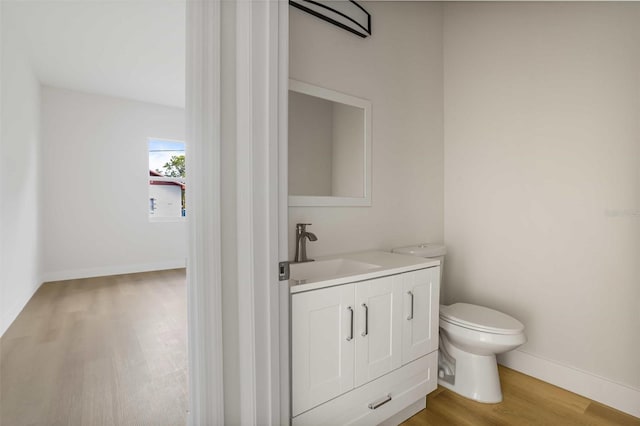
410	317
351	335
377	404
366	320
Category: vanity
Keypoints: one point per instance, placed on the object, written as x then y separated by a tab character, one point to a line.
364	338
363	326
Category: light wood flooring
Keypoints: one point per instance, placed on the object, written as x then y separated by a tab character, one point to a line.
99	351
526	401
112	351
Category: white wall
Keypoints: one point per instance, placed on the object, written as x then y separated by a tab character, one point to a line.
167	201
310	151
96	194
399	69
20	176
542	182
347	155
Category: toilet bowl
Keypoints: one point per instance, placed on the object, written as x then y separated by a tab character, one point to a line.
470	338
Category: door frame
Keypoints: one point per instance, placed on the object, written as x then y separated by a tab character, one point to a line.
283	307
204	279
260	237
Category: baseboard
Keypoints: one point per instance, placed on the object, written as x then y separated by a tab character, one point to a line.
10	315
113	270
605	391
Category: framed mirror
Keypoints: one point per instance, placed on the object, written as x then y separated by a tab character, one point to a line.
329	147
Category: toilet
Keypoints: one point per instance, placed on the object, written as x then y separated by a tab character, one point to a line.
470	338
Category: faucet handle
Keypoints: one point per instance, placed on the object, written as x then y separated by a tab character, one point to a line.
302	225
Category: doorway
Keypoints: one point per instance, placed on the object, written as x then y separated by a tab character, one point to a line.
84	87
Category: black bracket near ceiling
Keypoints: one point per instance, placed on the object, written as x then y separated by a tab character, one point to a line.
346	14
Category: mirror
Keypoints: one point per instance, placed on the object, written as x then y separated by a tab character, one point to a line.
329	147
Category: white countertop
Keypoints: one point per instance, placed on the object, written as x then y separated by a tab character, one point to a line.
387	264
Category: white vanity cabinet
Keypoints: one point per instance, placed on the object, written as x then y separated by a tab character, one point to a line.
363	351
379	327
420	328
323	345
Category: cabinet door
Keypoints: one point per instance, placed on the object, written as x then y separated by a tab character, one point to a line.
323	345
379	330
421	295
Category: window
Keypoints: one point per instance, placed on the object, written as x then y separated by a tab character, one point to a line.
167	182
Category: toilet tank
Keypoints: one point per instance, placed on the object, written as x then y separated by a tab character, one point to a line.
428	250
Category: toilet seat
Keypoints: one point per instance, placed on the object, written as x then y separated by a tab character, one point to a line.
479	318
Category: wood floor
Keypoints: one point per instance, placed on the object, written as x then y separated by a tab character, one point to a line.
526	401
101	351
112	351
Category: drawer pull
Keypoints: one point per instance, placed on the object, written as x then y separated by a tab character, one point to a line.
410	317
377	404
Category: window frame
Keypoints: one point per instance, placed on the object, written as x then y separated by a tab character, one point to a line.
183	181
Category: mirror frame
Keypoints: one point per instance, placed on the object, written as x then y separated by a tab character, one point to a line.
331	95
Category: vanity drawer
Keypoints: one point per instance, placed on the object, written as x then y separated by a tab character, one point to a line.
405	386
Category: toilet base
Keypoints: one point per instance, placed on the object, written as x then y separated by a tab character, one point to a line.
476	376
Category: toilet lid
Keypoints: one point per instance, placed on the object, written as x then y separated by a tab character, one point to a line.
480	318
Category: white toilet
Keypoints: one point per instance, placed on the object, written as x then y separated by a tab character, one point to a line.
470	338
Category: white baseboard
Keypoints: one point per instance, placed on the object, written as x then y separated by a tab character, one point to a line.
113	270
605	391
10	315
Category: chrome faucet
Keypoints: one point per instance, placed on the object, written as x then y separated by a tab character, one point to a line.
301	243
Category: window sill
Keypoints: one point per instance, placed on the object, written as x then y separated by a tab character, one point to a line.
166	219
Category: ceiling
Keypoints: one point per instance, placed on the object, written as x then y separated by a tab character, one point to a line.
132	49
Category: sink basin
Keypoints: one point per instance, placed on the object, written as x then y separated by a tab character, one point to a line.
324	269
